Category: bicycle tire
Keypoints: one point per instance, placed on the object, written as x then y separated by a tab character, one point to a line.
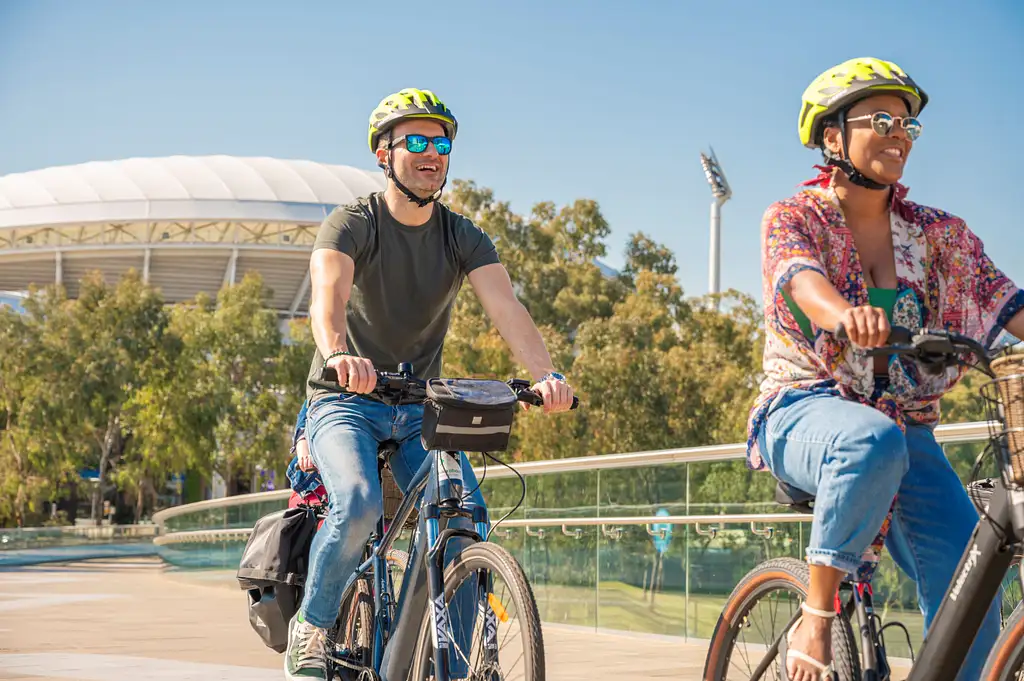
1007	656
487	556
763	579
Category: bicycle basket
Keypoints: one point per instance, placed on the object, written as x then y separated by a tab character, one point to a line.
466	414
393	499
1004	402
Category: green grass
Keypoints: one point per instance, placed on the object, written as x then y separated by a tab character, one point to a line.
615	605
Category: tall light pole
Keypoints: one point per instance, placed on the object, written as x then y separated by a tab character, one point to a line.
722	192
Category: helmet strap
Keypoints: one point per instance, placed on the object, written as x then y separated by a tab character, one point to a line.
845	165
391	175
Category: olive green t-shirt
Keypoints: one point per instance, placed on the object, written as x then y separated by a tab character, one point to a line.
405	282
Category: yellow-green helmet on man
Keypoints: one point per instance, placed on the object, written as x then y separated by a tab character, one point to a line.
843	84
409	103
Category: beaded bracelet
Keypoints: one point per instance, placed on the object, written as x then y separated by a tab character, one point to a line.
336	353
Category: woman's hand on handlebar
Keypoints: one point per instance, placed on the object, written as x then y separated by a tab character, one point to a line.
866	326
557	395
355	374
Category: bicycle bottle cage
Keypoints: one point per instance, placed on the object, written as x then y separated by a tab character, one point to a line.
467	414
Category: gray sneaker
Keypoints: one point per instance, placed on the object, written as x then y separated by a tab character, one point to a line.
306	656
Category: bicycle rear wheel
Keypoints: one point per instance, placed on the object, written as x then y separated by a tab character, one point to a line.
766	599
497	588
351	638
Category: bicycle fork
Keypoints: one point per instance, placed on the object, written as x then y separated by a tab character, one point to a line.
441	625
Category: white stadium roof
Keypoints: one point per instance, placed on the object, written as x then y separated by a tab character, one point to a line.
188	223
176	187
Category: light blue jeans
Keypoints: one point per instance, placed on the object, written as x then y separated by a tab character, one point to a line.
343	433
854	459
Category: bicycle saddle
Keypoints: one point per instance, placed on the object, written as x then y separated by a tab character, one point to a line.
796	499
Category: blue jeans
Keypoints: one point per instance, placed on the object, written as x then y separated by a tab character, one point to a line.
854	459
343	433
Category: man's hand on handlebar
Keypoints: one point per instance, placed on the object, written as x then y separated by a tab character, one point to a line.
557	395
866	326
356	374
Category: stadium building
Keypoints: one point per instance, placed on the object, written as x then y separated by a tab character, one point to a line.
187	223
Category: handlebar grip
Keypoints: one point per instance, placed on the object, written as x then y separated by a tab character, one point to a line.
898	335
330	375
538	401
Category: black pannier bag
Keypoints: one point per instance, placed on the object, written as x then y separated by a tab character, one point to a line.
467	414
272	571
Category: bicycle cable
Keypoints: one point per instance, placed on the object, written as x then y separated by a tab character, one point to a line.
478	482
522	497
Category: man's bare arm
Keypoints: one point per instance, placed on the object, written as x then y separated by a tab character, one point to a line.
330	283
493	288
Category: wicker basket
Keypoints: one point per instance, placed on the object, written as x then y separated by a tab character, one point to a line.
393	499
1004	397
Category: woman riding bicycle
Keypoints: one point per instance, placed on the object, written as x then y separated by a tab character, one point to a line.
856	431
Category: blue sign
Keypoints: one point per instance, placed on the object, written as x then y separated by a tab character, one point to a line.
662	532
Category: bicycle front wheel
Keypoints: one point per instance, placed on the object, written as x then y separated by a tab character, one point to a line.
490	621
756	615
1006	661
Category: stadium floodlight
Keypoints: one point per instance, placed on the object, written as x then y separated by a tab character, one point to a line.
722	192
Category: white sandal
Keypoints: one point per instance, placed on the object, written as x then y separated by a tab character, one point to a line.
825	671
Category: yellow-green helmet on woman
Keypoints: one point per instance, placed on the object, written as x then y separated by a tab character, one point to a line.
842	85
409	103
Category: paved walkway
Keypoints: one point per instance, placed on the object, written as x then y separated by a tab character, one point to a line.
133	620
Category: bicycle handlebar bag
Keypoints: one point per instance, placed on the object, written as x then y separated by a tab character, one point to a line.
468	415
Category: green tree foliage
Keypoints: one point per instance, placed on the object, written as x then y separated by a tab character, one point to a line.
117	381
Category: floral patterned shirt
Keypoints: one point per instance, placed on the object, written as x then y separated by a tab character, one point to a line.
945	280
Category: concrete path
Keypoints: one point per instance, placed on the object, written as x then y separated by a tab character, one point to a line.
133	620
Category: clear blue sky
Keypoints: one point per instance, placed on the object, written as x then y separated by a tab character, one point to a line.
557	100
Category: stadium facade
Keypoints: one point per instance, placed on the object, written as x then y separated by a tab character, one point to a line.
186	223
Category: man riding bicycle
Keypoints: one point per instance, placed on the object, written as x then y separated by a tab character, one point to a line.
384	274
857	431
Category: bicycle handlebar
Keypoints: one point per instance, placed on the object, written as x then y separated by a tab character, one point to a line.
935	349
402	386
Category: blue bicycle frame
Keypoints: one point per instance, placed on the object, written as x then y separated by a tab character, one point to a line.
394	640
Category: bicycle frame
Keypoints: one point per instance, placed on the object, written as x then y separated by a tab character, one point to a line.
423	583
973	589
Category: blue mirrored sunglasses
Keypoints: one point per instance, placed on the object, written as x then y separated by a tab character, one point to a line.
417	144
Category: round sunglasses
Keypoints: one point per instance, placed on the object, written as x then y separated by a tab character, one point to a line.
883	122
417	144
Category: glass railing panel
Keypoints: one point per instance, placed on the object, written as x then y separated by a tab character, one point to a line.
642	579
729	487
643	491
717	562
